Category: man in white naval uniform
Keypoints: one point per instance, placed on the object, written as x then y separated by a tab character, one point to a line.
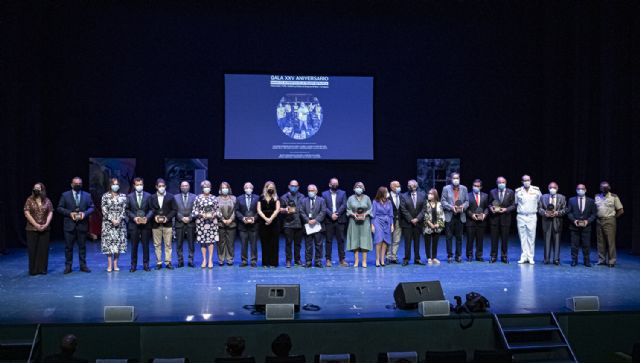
527	197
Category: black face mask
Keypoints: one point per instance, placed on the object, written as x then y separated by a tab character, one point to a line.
37	192
270	191
334	188
605	190
76	187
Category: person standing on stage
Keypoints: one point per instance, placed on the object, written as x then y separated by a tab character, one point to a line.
246	215
76	206
38	210
502	205
163	210
609	208
433	226
313	213
114	226
411	218
582	213
139	223
206	214
227	230
268	209
359	229
184	224
454	202
552	208
290	204
381	223
476	215
527	198
335	221
394	195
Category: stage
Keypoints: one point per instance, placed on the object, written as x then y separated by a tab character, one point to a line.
220	294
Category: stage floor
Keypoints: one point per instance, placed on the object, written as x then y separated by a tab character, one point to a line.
195	294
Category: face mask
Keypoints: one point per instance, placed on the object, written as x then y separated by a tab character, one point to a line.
224	191
412	188
115	188
293	188
139	188
430	197
501	186
553	191
398	190
358	191
184	191
248	191
312	194
387	195
455	182
37	192
526	184
581	192
476	190
77	187
333	187
605	190
161	190
270	191
206	190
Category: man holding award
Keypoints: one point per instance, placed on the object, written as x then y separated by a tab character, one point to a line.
454	202
476	214
527	198
162	210
290	209
582	213
246	214
139	226
502	201
552	208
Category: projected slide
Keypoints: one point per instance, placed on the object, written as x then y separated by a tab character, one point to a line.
298	117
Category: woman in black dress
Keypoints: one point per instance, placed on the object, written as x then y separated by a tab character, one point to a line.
268	207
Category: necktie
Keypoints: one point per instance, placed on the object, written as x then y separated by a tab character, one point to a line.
553	200
185	200
397	201
139	200
581	204
477	199
413	197
501	195
77	198
312	200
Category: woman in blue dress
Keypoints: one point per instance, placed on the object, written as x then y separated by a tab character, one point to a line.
381	224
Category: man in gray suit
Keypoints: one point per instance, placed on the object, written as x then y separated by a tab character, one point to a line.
185	225
247	218
411	220
455	201
552	207
313	213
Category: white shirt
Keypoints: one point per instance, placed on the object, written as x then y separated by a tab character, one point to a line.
333	201
160	199
527	200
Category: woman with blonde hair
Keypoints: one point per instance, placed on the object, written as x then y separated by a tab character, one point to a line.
268	208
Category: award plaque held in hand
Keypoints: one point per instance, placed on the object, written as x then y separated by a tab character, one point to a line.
550	209
207	211
458	206
478	213
496	206
359	217
161	217
140	214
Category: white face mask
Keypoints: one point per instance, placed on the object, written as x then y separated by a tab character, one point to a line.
224	191
581	192
526	184
248	191
358	191
456	182
115	188
553	191
206	190
139	188
161	190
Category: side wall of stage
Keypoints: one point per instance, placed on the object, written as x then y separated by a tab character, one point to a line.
594	337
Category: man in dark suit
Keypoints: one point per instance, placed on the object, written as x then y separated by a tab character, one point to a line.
163	210
396	235
335	220
76	206
411	205
476	214
184	225
313	213
454	203
139	223
502	204
582	212
552	207
246	214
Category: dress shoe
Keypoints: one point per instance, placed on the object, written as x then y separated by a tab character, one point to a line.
298	263
67	270
521	261
546	262
329	264
405	263
469	259
574	263
612	265
190	264
180	264
449	259
169	266
85	269
229	263
479	259
253	264
318	264
418	262
436	261
344	263
458	259
556	262
158	266
504	259
601	263
307	265
492	260
146	267
587	263
132	269
220	264
244	264
532	262
288	265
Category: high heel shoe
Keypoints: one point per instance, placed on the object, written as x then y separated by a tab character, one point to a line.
364	265
210	265
116	268
108	269
204	265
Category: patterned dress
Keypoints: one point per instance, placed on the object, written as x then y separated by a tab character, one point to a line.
114	238
206	229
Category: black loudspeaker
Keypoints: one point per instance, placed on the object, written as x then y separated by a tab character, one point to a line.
277	294
408	294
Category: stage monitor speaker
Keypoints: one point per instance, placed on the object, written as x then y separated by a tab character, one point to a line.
118	314
408	294
334	358
434	308
280	311
583	303
277	294
408	357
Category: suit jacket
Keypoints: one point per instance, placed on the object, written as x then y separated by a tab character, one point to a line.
473	205
341	205
561	208
448	203
184	210
291	220
168	209
589	213
318	212
67	204
508	202
242	211
132	210
408	212
396	210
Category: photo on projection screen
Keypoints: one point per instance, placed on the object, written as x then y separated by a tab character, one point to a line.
298	117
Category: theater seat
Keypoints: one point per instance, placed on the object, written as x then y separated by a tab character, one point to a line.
456	356
291	359
335	358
